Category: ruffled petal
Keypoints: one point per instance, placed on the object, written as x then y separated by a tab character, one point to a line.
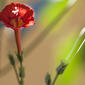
30	22
28	15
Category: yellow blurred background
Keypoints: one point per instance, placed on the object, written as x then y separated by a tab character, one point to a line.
58	24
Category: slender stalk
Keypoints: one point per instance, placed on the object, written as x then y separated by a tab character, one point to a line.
59	70
18	43
53	83
21	66
77	51
16	74
18	40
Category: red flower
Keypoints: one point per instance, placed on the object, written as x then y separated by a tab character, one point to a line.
16	15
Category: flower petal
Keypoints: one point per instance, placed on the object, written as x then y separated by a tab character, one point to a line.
28	15
29	23
16	15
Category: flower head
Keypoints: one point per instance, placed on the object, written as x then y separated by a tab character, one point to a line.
16	15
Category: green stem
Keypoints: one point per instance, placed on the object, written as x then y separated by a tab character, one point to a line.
53	83
21	66
60	70
16	73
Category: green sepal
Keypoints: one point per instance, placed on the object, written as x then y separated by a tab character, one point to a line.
60	69
20	57
21	72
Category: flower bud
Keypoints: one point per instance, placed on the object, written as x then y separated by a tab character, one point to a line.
12	60
48	79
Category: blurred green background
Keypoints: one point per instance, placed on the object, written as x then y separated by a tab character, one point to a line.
47	43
